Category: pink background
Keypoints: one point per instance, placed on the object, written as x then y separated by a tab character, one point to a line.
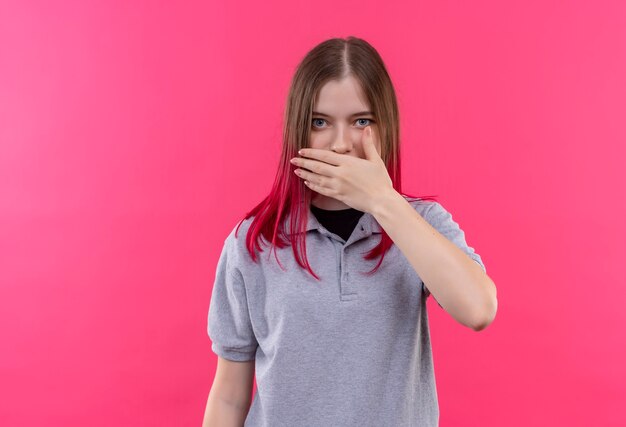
134	135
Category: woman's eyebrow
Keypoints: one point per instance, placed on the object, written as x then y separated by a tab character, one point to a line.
361	113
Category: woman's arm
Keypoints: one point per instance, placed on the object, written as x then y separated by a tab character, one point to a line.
457	282
231	393
220	413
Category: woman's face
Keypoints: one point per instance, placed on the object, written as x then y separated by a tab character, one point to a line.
340	116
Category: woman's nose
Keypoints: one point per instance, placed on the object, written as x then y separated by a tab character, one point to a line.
342	141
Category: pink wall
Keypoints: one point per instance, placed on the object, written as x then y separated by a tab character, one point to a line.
133	136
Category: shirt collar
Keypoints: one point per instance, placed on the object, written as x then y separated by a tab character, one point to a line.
367	223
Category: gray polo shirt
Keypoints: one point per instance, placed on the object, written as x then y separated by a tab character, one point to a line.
348	350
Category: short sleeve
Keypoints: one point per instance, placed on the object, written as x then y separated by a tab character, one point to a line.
229	325
438	217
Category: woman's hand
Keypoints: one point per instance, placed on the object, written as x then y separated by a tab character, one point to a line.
359	183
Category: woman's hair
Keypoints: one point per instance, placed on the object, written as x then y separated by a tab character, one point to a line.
333	59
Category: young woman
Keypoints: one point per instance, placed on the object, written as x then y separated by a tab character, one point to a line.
335	323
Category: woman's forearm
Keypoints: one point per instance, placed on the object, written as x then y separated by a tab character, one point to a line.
221	413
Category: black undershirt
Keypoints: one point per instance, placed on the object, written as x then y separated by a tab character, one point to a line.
341	222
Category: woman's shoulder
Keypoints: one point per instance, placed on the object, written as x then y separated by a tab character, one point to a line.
236	244
421	205
236	238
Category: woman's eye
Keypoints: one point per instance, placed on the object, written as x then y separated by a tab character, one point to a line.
316	120
367	120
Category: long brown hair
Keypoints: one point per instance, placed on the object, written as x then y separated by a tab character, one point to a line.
332	59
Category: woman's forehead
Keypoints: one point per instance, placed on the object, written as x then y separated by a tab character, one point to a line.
341	99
